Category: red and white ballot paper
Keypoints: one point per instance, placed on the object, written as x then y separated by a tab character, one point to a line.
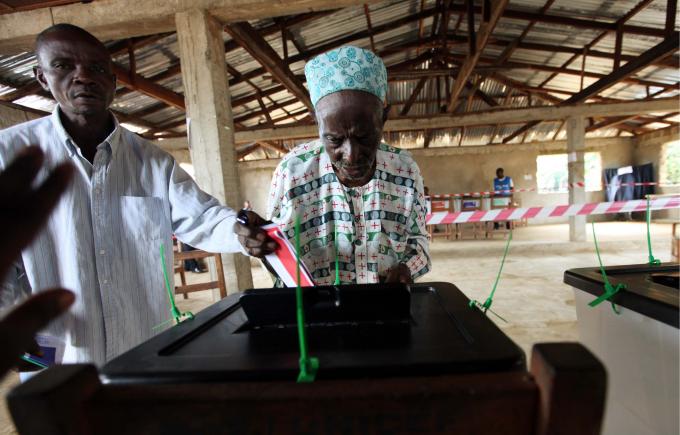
283	261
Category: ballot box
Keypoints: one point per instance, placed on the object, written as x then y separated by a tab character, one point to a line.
393	359
403	331
638	346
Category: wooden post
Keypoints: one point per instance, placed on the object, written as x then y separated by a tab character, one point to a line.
577	194
210	123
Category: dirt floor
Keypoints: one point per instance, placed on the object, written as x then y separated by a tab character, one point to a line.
531	297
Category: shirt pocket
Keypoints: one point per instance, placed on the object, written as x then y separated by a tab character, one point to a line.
141	216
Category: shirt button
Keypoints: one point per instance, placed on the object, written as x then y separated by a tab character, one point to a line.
106	281
102	252
357	242
357	218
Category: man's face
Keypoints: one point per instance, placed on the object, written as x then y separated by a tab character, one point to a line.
350	127
77	72
499	173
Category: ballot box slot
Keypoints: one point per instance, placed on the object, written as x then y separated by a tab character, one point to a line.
328	304
668	279
209	324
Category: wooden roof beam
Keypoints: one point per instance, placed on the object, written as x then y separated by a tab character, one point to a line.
260	50
121	19
291	21
248	149
273	146
29	89
554	69
311	52
413	97
618	27
671	63
485	30
512	46
671	11
486	117
517	14
147	87
265	111
664	48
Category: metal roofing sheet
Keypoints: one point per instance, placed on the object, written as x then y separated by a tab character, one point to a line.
155	58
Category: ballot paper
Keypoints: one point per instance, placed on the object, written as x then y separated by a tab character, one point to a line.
52	349
283	261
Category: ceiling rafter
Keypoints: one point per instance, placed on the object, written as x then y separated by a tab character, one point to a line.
485	30
667	46
244	34
619	24
414	95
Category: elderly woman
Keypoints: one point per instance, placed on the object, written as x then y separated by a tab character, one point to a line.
357	198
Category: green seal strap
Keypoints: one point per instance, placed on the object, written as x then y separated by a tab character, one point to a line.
652	261
486	306
308	365
177	316
609	290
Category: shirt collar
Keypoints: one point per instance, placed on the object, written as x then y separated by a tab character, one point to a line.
112	139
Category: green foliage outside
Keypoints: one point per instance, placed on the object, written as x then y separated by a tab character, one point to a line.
671	163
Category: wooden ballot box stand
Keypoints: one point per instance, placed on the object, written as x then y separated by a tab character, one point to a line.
447	370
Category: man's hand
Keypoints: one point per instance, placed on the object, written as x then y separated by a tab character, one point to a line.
23	211
253	238
24	208
399	273
18	328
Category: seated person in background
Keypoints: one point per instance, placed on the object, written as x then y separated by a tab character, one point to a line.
192	264
25	211
502	187
126	199
351	184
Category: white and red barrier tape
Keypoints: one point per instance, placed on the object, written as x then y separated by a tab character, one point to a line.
508	214
579	184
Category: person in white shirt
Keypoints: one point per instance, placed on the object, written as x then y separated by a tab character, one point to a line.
127	198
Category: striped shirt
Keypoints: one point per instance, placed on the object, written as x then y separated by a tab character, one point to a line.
379	225
103	239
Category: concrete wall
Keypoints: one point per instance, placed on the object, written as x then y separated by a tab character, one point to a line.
649	148
471	169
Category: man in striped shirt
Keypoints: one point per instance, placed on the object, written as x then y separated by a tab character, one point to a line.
358	199
127	198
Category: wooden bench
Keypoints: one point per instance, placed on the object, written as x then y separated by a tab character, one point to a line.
564	393
477	229
504	227
185	288
441	205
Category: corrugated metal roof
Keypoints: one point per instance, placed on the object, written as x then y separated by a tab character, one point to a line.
155	58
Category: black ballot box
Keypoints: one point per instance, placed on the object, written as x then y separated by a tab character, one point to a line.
392	360
429	330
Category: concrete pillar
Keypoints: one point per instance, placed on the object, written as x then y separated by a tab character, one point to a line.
210	122
576	143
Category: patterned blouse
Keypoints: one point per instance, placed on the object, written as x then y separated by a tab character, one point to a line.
379	225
